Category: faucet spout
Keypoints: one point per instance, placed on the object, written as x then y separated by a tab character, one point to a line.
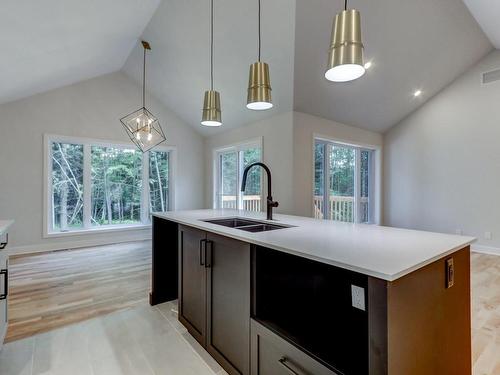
270	203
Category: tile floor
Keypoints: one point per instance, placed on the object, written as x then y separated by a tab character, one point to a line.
149	340
143	340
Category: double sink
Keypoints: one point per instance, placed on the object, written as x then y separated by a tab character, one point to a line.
247	224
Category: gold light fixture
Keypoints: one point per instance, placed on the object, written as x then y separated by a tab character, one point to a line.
141	126
259	83
211	115
345	60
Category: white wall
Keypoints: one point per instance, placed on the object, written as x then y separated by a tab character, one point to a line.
306	128
288	151
442	163
88	109
277	136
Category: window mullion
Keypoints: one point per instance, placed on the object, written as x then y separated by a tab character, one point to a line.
87	186
239	173
145	208
357	186
326	174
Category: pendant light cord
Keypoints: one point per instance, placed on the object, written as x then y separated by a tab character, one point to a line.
345	5
144	80
211	44
260	39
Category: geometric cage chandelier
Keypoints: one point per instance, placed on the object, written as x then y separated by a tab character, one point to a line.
141	126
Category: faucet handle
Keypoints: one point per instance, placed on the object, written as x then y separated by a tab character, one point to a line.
273	204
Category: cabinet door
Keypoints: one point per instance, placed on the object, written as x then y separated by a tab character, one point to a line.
228	305
3	290
272	355
192	286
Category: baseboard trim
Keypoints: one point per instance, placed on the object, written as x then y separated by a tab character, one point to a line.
486	249
55	246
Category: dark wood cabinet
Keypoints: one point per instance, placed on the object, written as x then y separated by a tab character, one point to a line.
228	303
192	287
272	355
214	295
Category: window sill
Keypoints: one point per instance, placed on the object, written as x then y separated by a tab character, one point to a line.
97	230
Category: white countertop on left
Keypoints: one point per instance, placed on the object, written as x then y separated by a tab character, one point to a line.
4	226
382	252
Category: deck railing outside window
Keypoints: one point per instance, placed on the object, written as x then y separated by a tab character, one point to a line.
250	202
341	208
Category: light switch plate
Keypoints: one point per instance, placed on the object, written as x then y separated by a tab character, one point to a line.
358	297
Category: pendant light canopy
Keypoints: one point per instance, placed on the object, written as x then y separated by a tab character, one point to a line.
211	115
141	126
345	60
259	82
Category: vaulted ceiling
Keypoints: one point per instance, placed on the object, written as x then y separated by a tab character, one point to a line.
179	61
52	43
412	45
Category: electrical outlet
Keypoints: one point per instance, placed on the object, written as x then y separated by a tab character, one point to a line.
358	297
459	231
487	235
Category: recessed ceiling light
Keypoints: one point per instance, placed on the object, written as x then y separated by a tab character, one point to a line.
368	65
417	93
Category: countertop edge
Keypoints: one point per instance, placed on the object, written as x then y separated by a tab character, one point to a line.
368	272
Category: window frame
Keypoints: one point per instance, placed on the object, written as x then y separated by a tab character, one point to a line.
373	175
217	176
88	143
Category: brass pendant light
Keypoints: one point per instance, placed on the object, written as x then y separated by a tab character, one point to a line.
345	60
259	83
141	126
211	115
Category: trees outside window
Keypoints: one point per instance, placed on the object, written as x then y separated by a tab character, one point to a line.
104	185
116	186
67	186
230	164
343	182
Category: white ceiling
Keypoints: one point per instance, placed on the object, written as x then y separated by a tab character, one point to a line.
422	44
178	65
487	13
52	43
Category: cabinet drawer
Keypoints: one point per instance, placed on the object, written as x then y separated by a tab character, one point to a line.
272	355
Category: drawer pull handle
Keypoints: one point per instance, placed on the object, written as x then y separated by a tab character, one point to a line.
5	274
203	252
4	244
284	362
210	254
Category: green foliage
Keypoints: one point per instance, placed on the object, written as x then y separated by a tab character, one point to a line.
116	185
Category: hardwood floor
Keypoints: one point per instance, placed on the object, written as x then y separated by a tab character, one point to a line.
485	314
51	290
54	289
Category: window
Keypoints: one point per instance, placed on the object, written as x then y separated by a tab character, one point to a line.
95	185
343	182
230	163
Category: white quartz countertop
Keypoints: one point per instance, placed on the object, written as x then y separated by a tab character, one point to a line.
4	226
383	252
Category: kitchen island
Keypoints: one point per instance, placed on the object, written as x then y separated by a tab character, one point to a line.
316	297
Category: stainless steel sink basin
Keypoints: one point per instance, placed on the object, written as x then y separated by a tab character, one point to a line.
232	222
246	224
262	227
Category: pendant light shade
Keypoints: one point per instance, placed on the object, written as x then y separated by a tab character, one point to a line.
259	87
211	109
345	60
259	82
211	114
141	126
